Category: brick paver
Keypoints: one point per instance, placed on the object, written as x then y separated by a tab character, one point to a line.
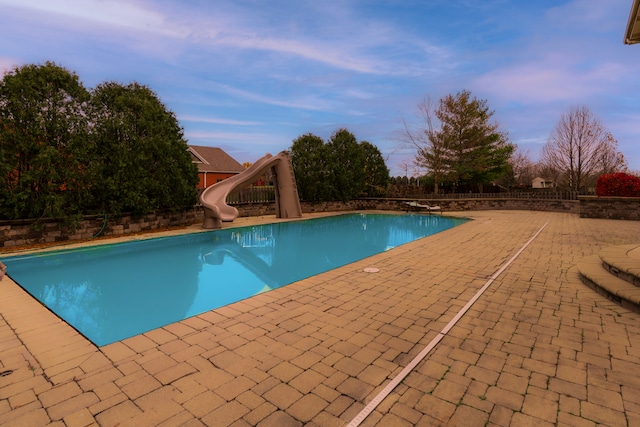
538	348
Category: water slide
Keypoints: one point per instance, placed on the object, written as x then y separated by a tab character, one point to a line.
213	198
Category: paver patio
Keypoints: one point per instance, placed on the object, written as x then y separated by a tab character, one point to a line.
537	348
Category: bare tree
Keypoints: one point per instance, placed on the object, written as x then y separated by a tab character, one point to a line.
409	167
523	169
611	160
424	137
543	170
579	149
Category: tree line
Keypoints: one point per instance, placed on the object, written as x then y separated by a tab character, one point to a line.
68	151
461	149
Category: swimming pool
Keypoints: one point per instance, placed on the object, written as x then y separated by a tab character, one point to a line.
115	291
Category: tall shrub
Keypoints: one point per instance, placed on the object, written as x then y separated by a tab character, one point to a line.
47	160
66	151
618	184
341	169
145	163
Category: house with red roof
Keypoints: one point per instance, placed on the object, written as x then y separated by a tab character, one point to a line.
214	164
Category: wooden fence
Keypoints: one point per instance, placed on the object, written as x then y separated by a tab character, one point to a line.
536	195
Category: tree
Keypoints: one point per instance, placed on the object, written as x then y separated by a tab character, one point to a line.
65	152
347	165
610	160
475	150
457	142
426	139
48	161
579	149
376	172
340	169
522	170
309	158
146	165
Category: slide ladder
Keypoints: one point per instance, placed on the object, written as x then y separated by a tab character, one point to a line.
213	198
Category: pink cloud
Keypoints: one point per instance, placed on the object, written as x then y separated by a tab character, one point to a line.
548	82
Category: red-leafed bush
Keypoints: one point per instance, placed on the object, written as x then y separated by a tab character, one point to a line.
618	184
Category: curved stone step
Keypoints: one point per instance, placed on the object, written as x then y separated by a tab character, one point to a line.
623	262
596	276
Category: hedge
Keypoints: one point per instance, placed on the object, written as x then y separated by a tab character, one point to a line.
618	185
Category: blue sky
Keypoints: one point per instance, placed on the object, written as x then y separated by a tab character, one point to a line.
250	76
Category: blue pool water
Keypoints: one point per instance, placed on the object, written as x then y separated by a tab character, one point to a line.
111	292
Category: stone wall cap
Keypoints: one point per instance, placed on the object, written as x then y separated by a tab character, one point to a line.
634	199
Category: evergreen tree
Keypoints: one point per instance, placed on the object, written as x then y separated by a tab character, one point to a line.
475	151
456	142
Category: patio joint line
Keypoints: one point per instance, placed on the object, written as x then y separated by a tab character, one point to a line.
402	375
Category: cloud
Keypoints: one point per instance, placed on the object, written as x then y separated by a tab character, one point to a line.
108	12
229	68
307	101
338	37
528	141
219	121
314	51
7	64
597	14
549	81
242	146
265	139
379	50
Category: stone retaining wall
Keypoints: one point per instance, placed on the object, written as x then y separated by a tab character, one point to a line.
24	232
28	232
610	207
453	205
477	204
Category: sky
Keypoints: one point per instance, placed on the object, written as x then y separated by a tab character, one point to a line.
250	76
